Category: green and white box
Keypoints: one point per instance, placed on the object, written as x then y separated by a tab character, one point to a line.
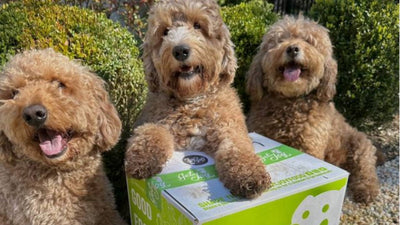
304	191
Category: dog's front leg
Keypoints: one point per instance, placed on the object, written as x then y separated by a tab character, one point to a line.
148	150
239	168
361	161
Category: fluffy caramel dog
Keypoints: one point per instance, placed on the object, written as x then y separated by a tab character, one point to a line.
55	120
189	65
291	82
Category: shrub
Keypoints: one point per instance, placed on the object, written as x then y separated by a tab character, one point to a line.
131	14
247	23
366	39
230	2
104	46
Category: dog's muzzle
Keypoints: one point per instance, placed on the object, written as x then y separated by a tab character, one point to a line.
293	51
35	115
181	52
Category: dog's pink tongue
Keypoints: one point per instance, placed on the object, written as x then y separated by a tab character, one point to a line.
50	142
291	73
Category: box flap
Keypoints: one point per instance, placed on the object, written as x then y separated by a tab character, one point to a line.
190	182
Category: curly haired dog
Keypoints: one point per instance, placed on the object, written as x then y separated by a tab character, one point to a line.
189	65
55	120
291	83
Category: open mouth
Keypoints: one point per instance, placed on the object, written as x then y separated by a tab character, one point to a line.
291	71
187	72
52	143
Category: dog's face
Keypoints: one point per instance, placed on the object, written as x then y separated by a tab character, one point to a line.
187	48
53	110
295	58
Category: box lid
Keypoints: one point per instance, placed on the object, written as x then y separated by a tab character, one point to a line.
190	182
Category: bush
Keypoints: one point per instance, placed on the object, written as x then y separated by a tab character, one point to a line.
247	23
230	2
104	46
366	39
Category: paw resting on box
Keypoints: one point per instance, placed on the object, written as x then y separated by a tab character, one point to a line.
243	173
148	150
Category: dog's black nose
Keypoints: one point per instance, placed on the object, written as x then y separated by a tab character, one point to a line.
293	51
181	52
35	115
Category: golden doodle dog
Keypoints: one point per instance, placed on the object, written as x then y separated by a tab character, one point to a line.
55	120
291	83
189	65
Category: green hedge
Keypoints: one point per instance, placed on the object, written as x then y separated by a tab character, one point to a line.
106	47
247	23
230	2
366	39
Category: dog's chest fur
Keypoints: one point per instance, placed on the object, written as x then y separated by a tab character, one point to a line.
32	194
288	120
189	125
194	124
189	122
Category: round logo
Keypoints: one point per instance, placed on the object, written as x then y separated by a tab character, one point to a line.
195	160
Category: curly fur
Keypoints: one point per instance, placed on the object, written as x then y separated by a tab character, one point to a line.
299	111
70	188
200	112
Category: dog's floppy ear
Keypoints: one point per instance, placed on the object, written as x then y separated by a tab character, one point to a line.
109	124
6	155
229	63
254	78
327	87
149	69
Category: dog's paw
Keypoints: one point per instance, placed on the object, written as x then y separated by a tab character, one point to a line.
246	185
148	150
252	186
142	171
364	189
364	193
141	166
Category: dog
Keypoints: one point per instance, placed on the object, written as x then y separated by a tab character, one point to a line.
55	121
189	66
291	84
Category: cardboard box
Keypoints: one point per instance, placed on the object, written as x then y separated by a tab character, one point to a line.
304	191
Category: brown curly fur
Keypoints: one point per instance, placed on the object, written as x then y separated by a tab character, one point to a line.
301	113
201	112
71	188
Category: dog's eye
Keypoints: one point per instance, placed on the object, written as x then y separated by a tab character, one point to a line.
166	32
14	93
58	83
61	85
196	25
